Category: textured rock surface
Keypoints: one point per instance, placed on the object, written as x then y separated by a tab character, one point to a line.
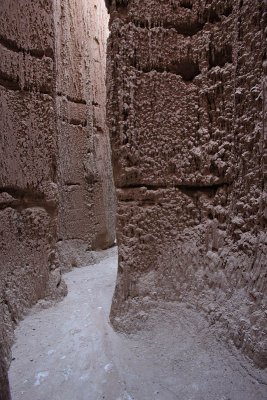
28	151
185	111
87	206
56	189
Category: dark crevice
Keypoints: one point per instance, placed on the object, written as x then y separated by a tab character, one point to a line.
108	3
220	57
125	113
147	202
190	28
121	3
210	190
228	11
37	53
74	122
17	192
186	4
96	40
10	310
188	70
54	164
98	129
9	83
72	99
75	100
4	383
188	189
211	16
22	199
72	184
77	122
130	200
41	90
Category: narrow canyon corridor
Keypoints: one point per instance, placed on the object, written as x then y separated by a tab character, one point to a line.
133	201
70	352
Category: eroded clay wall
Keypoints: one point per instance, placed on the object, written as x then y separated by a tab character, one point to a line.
87	206
28	153
185	112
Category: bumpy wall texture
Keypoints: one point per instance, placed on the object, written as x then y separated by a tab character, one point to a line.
56	190
28	148
185	112
86	212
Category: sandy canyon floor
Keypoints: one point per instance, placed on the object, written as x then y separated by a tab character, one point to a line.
70	352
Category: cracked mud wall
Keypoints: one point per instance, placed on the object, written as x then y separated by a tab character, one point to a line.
185	112
28	146
87	199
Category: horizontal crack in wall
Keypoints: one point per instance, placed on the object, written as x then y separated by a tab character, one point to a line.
74	121
37	53
9	83
191	190
187	69
71	99
189	29
20	199
186	186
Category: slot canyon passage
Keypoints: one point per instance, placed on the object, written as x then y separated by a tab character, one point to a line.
140	123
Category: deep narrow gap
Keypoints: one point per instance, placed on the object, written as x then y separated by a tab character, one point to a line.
173	238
